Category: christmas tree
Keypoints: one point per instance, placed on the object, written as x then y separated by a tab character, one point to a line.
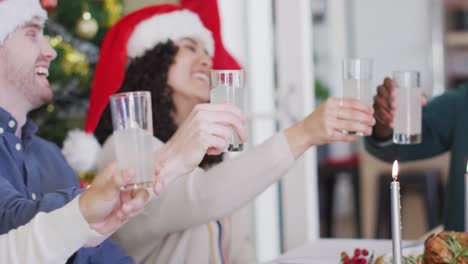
75	29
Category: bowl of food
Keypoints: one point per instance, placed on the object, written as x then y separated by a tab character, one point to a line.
446	247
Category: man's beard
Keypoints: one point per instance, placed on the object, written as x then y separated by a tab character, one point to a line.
24	81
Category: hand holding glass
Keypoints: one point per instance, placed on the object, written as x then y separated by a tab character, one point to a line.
357	82
227	86
133	136
407	129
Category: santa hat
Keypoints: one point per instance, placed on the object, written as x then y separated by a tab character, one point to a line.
142	30
15	13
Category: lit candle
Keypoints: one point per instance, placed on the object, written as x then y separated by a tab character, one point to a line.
466	198
396	220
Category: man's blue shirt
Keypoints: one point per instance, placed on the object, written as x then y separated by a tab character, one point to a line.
34	177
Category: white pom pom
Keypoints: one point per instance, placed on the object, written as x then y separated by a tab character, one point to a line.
81	150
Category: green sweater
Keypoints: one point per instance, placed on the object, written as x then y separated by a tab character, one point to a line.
444	128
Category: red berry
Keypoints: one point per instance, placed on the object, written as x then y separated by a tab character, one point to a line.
365	252
84	183
357	252
347	261
362	261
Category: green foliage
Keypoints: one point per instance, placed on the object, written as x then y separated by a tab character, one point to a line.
456	248
69	12
52	128
321	91
62	69
70	74
412	259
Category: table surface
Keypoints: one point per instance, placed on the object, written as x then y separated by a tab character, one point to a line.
329	250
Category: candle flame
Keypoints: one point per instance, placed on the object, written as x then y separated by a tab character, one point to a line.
395	170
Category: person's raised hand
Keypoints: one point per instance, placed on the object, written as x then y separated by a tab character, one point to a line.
328	122
384	107
105	207
336	115
207	130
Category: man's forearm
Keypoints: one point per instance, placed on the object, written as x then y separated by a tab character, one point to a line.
16	211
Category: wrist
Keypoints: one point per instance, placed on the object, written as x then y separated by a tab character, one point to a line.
167	170
167	162
83	205
381	131
298	138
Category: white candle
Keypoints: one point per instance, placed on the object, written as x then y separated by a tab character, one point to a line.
466	198
396	219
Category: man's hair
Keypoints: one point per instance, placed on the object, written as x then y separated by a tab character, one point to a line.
150	73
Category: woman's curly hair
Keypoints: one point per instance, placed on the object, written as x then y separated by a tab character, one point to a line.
149	73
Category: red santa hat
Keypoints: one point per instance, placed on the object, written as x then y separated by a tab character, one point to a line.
131	37
15	13
142	30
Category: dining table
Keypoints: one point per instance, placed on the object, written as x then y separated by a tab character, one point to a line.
329	250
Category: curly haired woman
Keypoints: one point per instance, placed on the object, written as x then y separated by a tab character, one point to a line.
169	51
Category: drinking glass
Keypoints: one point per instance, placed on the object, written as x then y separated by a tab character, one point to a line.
357	82
133	136
407	124
227	86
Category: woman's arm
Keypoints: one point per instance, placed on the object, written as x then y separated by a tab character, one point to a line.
207	195
200	196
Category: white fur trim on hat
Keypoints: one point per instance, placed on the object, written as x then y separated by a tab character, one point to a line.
173	26
15	13
81	150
